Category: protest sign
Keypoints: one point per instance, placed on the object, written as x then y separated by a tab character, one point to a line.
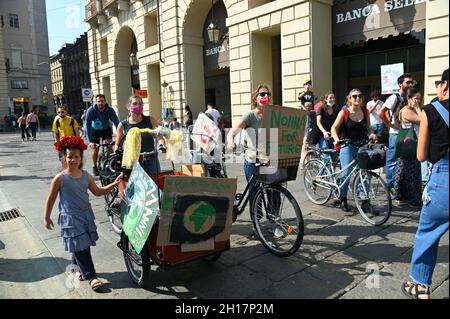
205	133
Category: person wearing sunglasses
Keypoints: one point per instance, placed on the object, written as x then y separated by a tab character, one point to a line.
136	118
64	125
433	145
392	106
356	128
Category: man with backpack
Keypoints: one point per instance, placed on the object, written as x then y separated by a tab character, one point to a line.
98	126
393	105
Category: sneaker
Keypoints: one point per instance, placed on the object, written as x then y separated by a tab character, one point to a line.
279	232
95	171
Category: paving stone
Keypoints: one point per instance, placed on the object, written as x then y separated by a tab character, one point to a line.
314	223
382	287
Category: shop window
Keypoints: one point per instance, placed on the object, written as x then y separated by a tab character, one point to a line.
398	56
374	61
104	51
357	66
13	20
416	59
151	29
19	84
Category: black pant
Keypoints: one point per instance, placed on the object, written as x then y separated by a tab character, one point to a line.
24	129
33	127
83	260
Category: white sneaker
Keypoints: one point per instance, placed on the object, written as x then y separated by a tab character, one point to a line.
279	232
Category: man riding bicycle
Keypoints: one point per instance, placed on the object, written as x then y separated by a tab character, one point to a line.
98	126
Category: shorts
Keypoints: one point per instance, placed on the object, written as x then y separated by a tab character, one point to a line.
104	134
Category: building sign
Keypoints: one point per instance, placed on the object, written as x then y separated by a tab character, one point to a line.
361	20
217	54
389	75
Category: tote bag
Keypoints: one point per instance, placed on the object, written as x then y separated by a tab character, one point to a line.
406	143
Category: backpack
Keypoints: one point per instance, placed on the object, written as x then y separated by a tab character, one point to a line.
347	114
396	110
72	122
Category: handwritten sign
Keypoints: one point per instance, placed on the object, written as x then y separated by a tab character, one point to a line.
141	196
389	75
205	132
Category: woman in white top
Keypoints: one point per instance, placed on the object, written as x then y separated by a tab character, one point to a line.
408	183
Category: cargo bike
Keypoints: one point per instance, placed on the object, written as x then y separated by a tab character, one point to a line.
165	250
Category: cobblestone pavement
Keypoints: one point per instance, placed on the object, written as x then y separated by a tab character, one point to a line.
341	256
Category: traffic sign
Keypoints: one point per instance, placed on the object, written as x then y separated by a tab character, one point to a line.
86	94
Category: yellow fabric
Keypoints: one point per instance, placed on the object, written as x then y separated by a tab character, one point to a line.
132	148
65	129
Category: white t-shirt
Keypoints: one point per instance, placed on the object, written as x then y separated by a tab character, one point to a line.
374	117
390	104
214	113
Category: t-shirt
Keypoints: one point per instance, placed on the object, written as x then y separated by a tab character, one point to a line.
65	129
253	123
214	113
439	132
307	97
374	117
327	120
32	118
391	103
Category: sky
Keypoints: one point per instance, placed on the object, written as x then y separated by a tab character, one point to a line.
65	22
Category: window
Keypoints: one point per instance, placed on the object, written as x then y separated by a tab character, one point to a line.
13	20
19	84
16	57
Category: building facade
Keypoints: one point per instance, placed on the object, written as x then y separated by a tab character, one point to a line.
25	55
165	47
70	74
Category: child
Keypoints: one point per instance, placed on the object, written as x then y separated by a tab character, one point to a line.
76	217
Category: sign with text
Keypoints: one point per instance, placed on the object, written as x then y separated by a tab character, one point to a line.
205	133
389	75
142	93
141	196
196	209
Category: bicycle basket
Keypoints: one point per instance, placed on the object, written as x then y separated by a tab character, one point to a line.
286	171
372	156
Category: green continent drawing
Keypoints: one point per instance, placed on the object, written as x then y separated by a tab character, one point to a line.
200	217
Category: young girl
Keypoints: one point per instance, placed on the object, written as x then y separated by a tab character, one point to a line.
76	217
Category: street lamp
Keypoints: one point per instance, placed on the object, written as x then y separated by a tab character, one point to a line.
133	59
212	29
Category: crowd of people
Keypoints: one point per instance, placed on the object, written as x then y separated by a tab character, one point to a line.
328	124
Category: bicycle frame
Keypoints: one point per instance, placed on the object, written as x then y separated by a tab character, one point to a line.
334	173
242	201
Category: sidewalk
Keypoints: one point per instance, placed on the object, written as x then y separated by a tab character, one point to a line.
338	257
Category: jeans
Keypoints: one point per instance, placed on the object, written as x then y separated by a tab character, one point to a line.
424	171
323	143
391	162
433	224
377	128
347	154
33	127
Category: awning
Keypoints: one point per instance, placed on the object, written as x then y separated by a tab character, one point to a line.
21	99
361	20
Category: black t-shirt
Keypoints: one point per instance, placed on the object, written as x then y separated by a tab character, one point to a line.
307	97
327	120
438	132
355	131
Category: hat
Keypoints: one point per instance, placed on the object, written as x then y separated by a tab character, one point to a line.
444	76
308	81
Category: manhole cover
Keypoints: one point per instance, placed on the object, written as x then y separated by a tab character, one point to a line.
9	214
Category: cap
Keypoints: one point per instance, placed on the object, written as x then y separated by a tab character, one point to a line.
308	81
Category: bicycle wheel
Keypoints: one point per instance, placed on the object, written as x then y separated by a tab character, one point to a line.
372	198
315	177
310	155
138	265
113	211
278	220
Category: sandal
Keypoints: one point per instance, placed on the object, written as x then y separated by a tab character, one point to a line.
411	290
95	284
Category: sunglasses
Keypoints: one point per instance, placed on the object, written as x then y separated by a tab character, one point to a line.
137	103
264	94
355	96
61	112
437	83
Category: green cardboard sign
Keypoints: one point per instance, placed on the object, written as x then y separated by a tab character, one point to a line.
142	207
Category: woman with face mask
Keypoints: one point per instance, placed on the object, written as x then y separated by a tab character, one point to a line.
136	118
326	115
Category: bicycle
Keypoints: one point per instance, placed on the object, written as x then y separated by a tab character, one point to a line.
321	182
313	152
275	214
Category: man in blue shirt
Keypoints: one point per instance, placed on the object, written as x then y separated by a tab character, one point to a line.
98	126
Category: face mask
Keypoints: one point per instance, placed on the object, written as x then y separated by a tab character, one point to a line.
137	109
264	100
330	103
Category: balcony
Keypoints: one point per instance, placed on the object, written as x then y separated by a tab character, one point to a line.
115	5
91	11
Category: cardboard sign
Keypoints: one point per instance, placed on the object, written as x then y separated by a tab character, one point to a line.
193	170
141	196
196	209
205	132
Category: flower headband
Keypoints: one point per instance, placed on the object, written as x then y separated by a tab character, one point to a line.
70	142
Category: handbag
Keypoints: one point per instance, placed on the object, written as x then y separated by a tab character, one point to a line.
406	143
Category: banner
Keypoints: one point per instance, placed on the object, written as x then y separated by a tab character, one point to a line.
141	196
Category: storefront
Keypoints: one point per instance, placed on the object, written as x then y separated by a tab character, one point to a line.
21	104
370	34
